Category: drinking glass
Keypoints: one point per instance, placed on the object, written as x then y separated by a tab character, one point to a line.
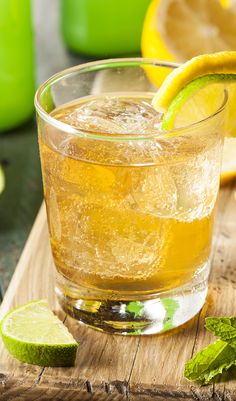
130	207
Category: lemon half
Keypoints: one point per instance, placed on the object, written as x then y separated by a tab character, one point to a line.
177	30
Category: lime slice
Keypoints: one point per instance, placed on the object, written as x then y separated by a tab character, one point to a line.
200	66
33	334
2	180
200	98
193	91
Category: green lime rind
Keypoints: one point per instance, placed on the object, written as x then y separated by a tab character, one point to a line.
59	348
41	355
183	95
2	180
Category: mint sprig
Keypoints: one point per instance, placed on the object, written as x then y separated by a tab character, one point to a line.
219	356
210	362
171	306
223	327
136	308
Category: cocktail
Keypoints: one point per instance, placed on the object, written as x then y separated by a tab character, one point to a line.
130	207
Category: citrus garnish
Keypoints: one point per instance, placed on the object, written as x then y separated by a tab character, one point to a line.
202	77
179	30
200	66
228	169
192	104
228	3
33	334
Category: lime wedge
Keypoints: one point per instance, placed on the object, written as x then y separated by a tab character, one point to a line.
2	180
194	91
198	100
33	334
201	66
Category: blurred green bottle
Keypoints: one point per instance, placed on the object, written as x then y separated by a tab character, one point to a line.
17	84
103	28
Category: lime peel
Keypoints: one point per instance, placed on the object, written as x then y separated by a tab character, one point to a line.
199	66
189	89
181	108
33	334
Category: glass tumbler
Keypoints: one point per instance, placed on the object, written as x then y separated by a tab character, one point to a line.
130	207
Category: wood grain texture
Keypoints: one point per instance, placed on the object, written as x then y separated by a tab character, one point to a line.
110	367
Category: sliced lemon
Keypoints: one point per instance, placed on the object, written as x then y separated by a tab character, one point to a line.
228	3
179	30
228	169
153	45
225	3
200	66
202	77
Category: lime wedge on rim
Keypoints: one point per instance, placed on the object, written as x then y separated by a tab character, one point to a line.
201	66
209	98
33	334
193	91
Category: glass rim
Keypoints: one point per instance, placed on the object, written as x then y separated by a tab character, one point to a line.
110	63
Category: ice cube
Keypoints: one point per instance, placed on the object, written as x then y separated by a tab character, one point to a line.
197	181
54	215
114	115
154	190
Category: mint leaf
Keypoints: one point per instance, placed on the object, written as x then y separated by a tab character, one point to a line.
135	307
210	361
171	306
223	327
136	332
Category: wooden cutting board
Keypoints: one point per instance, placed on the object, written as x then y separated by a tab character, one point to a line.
110	367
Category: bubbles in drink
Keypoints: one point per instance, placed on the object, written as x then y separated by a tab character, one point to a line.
131	213
114	115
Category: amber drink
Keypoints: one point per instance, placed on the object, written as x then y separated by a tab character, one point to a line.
130	208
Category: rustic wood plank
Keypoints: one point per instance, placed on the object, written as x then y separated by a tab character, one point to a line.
34	393
24	287
103	362
221	300
34	279
223	282
34	268
110	367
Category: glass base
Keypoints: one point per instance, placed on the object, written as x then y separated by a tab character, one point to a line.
142	315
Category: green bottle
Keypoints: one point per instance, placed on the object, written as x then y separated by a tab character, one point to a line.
17	84
103	28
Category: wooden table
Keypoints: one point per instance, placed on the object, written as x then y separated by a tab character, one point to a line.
118	368
111	368
19	149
